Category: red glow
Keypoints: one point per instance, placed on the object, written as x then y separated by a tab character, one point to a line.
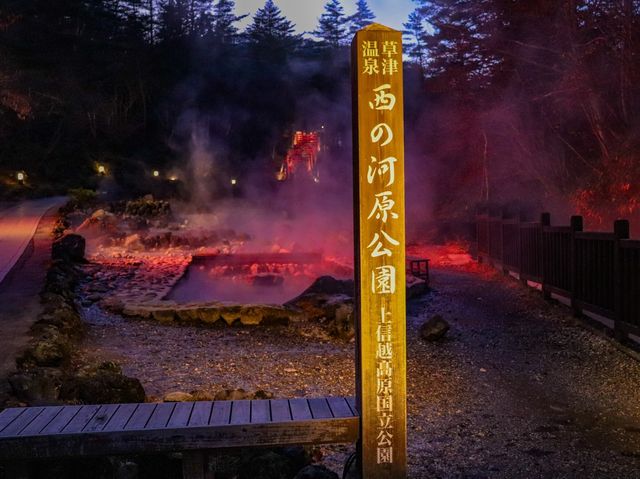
302	154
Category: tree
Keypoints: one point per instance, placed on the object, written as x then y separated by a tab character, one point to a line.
364	16
332	25
271	28
416	32
223	20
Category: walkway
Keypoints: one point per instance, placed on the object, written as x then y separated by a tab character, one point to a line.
22	276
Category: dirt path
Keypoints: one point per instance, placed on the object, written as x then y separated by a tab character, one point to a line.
19	293
518	390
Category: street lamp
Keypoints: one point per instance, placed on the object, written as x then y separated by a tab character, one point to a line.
234	182
20	176
156	173
102	170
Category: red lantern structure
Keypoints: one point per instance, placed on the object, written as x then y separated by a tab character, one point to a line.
302	156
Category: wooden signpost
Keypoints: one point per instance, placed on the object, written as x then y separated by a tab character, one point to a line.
378	126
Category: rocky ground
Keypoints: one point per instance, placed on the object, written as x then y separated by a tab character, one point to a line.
516	389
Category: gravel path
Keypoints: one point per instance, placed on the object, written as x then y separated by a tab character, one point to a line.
518	390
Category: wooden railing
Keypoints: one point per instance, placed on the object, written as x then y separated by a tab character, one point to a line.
598	272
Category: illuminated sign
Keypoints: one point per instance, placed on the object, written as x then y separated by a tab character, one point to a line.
380	250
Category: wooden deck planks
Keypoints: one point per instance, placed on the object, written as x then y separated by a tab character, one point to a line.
320	408
161	415
100	420
119	420
61	420
81	419
201	414
140	417
300	410
22	421
8	415
181	414
37	425
280	410
352	404
221	413
68	431
260	412
339	407
240	412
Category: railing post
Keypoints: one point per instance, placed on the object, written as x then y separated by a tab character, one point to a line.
545	220
577	226
621	231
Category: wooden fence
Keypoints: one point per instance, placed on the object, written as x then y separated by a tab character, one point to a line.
596	272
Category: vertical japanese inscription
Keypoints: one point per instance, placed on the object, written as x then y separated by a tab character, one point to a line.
380	250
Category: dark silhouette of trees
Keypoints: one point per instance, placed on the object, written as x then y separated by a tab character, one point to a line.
333	25
364	16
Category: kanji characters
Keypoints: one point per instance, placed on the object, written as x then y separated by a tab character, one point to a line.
378	132
384	100
383	280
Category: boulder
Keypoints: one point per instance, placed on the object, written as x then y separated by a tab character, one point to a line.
434	329
343	324
328	285
50	349
240	394
70	247
178	396
316	472
102	384
36	386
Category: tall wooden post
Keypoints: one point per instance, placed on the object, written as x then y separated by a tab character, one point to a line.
379	206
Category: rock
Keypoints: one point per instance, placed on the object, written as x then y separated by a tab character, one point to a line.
66	320
50	349
240	394
178	396
343	325
104	384
37	386
316	472
202	395
328	285
434	329
70	247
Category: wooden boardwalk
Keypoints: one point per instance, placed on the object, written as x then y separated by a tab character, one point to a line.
111	429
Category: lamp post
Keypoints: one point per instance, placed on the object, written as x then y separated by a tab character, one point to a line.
21	176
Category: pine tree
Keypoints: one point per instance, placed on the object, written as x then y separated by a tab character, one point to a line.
271	27
416	32
223	20
332	25
364	16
